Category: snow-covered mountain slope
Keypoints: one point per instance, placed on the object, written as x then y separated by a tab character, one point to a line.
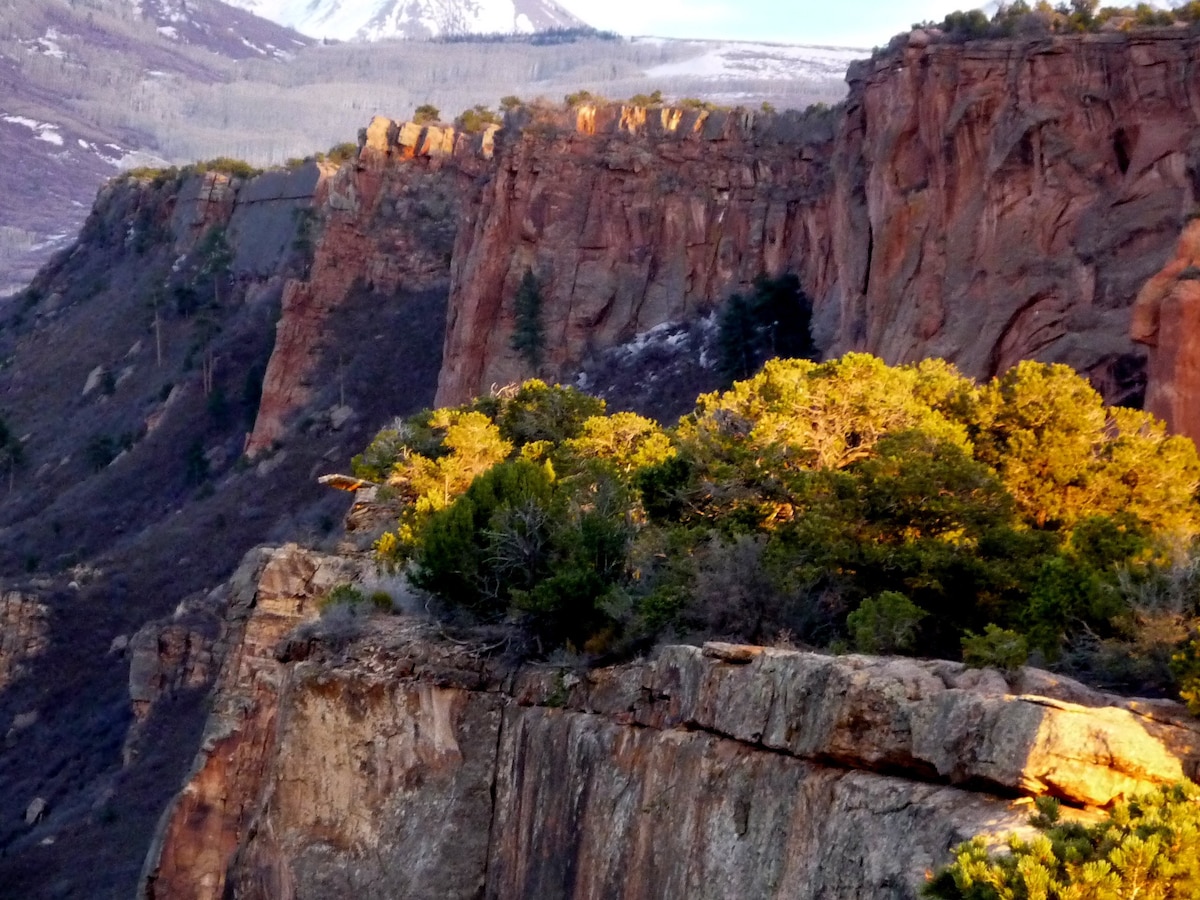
372	20
219	28
722	61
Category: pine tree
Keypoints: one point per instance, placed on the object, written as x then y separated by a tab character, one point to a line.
1146	847
529	336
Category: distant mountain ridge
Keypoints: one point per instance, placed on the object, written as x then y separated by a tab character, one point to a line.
371	20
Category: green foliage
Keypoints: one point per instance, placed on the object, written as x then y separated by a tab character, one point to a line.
214	252
476	118
1042	18
225	165
1146	847
340	153
427	114
12	451
537	412
996	648
345	594
510	102
1185	666
581	97
157	176
101	449
903	509
885	624
195	463
654	98
529	335
519	539
1064	456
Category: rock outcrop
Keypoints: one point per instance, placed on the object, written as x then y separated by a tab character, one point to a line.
629	218
386	223
24	633
271	593
1166	318
1006	200
388	761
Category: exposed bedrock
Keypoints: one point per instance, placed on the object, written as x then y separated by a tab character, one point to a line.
985	202
386	761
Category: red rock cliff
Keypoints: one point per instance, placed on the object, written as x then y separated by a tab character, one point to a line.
999	200
630	218
387	221
386	761
984	202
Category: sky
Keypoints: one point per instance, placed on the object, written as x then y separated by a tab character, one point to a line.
855	23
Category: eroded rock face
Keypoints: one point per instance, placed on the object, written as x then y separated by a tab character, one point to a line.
394	763
1166	318
24	633
273	592
630	218
386	222
1012	198
984	202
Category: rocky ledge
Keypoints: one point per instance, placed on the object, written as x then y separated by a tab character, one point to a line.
383	759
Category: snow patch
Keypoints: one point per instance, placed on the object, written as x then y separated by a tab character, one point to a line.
43	131
138	159
21	120
739	59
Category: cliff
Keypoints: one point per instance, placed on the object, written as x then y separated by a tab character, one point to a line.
984	202
630	218
386	225
382	759
1006	200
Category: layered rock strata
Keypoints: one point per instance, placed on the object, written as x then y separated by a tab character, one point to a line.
379	759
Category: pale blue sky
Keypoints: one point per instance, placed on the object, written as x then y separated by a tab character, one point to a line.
860	23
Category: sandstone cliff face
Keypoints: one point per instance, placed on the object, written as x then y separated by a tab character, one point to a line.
386	223
985	202
394	763
630	218
1166	318
999	201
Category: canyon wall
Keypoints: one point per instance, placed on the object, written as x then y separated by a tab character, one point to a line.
1004	200
630	218
373	757
984	202
385	224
